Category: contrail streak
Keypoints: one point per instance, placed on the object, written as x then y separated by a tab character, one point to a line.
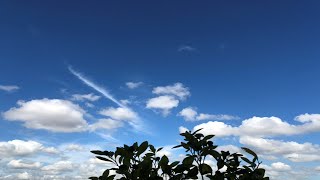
96	87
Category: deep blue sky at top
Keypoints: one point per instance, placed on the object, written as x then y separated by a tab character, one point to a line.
252	57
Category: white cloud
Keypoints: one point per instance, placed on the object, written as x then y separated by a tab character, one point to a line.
119	113
163	103
106	124
262	127
231	148
177	89
50	114
218	117
217	128
271	146
266	126
125	101
74	147
96	87
317	168
85	97
58	167
9	88
296	157
279	166
293	151
190	114
18	164
183	129
133	85
24	175
21	148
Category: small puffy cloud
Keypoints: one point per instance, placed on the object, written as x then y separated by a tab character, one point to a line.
189	114
217	128
21	148
58	167
50	114
120	113
9	88
177	89
279	166
133	85
163	103
18	164
317	168
24	175
186	48
85	97
106	124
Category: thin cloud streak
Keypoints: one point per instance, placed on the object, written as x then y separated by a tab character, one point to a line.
96	87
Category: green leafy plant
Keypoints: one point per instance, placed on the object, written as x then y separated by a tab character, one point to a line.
141	162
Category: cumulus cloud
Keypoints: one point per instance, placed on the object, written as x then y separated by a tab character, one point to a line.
255	132
133	85
267	146
163	103
177	89
50	114
58	167
24	175
262	127
9	88
190	114
291	150
85	97
21	148
18	164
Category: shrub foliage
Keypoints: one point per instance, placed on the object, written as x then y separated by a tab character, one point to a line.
141	162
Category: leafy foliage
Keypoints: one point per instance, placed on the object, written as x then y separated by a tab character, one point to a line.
141	162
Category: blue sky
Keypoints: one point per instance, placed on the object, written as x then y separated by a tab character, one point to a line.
76	75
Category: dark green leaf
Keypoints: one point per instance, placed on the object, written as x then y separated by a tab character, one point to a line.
249	151
188	160
205	168
143	147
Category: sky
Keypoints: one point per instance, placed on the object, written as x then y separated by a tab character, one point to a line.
77	76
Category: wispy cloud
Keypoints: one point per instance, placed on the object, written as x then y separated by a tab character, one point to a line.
9	88
96	87
136	123
186	48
